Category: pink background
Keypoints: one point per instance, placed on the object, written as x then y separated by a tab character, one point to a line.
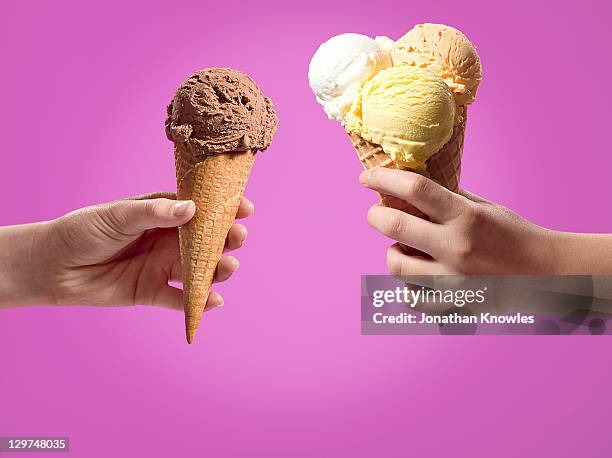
282	369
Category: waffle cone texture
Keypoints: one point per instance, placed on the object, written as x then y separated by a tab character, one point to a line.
216	184
444	167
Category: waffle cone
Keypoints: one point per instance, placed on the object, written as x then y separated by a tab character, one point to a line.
215	183
443	167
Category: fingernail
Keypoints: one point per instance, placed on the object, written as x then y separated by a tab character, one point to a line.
182	208
363	178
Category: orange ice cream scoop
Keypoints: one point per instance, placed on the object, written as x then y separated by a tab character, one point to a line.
447	53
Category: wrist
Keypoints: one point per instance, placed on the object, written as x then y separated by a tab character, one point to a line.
547	253
567	253
583	254
23	274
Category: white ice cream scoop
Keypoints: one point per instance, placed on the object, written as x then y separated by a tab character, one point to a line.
340	67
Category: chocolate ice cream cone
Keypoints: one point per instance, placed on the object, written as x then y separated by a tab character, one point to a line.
217	120
216	184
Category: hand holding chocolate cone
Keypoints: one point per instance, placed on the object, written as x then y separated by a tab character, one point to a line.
403	104
218	120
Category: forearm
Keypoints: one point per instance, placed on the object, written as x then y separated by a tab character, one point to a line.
22	274
582	254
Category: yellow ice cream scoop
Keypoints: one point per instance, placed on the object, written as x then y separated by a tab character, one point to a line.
408	111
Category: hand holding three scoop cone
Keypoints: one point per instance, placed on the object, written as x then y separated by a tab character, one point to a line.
218	121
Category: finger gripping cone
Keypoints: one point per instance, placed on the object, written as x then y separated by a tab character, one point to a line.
216	184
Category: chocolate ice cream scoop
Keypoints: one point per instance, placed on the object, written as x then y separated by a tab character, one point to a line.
220	110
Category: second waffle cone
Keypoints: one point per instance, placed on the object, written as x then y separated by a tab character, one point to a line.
444	167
